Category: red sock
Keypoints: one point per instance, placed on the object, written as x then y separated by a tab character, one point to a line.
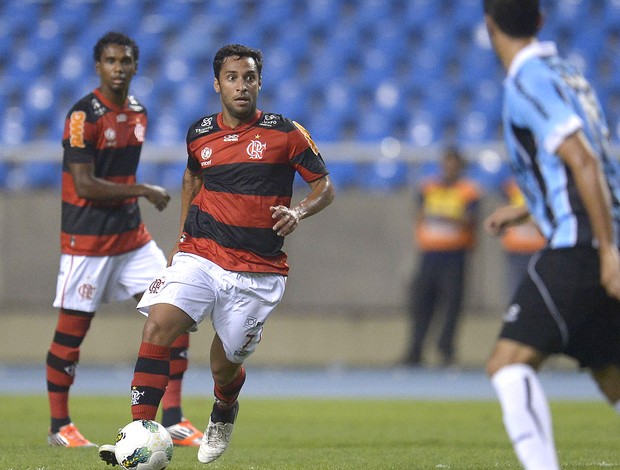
226	396
150	379
62	359
178	366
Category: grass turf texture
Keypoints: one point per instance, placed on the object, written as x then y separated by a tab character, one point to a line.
321	434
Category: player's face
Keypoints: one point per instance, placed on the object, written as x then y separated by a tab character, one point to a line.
116	68
238	86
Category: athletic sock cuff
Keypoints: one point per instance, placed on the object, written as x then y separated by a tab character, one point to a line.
154	351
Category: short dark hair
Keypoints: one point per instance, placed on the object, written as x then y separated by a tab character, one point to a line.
236	50
516	18
113	37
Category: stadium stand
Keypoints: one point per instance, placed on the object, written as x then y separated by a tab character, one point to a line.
420	71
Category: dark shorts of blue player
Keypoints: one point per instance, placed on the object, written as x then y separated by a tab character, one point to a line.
561	307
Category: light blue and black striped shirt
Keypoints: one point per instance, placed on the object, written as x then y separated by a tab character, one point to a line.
546	100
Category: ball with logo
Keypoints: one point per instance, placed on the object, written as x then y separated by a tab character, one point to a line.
143	445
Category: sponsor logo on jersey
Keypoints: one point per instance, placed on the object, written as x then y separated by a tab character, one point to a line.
270	120
86	291
205	126
255	149
98	108
512	314
76	129
122	117
139	131
135	105
231	138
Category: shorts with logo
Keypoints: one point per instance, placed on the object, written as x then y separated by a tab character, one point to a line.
561	307
238	303
85	282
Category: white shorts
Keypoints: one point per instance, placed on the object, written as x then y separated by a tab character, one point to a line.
238	303
85	282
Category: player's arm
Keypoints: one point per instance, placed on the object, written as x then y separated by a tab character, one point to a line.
585	169
321	195
88	186
504	217
190	186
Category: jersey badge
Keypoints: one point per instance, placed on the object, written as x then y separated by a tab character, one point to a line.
255	149
205	155
139	131
110	137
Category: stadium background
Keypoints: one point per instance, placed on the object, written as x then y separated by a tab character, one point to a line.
382	85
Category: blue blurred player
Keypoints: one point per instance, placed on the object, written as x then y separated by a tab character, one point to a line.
567	303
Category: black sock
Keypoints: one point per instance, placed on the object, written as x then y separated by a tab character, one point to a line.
59	423
171	416
224	415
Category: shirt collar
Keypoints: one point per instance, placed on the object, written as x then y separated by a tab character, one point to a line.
534	49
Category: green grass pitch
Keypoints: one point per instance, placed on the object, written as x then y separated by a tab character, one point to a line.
321	434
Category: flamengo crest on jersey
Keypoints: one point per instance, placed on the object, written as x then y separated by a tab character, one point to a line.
245	171
110	137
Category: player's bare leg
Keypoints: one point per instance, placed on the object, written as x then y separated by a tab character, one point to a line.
608	380
228	378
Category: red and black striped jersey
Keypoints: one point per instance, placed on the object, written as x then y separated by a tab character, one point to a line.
245	171
111	137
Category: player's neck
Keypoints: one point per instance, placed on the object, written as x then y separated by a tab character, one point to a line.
119	98
508	48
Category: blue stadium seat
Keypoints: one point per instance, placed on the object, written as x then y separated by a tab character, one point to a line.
344	173
318	13
71	16
418	13
571	13
384	175
34	175
170	174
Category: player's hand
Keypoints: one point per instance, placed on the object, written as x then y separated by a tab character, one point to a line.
501	218
610	271
157	196
287	219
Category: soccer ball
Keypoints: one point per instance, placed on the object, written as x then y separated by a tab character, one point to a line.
143	445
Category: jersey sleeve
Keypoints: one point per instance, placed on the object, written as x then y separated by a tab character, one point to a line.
305	155
79	136
537	103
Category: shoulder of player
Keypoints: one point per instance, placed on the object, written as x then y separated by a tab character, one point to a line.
277	122
204	125
94	108
135	105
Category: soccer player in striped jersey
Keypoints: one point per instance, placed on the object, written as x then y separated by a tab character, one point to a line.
107	252
568	302
228	266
